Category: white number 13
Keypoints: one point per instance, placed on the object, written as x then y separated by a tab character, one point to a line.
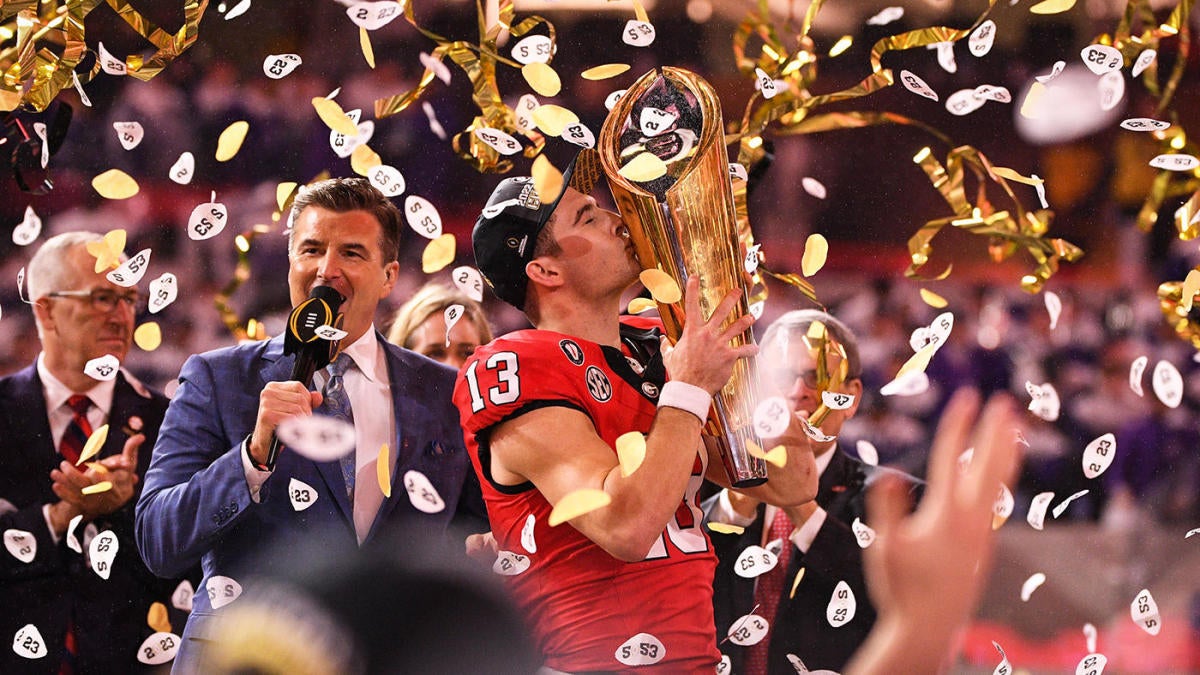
508	387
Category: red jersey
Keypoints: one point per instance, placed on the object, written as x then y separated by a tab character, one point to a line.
590	611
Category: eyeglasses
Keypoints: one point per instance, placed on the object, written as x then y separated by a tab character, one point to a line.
102	300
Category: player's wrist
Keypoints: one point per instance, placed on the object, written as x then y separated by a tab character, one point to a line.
687	397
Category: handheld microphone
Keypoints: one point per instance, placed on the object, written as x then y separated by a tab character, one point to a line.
312	351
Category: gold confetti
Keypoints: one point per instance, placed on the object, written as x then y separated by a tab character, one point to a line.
158	619
841	45
776	455
96	467
1191	285
796	582
97	488
816	330
542	78
383	471
231	139
148	336
1052	6
640	12
1005	172
661	286
578	503
553	119
438	253
93	445
333	116
364	41
605	71
933	299
363	159
547	180
1030	107
644	168
998	520
115	184
639	305
726	528
919	361
283	191
816	250
631	450
108	250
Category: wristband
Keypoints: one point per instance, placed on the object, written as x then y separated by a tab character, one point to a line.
684	396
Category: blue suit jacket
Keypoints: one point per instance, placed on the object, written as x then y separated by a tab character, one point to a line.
196	505
109	615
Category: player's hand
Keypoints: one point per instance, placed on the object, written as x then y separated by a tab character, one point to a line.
482	546
278	402
68	482
704	356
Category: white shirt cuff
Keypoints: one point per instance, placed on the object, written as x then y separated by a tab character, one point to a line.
254	477
723	512
49	527
804	535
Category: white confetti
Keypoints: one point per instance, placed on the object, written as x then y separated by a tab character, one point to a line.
750	262
1112	89
435	65
1191	532
498	140
980	42
749	630
867	453
654	122
159	648
579	134
374	15
207	220
837	400
964	102
1002	508
130	134
131	271
738	172
1037	509
764	83
771	417
21	544
28	229
279	66
510	564
1062	506
1101	59
451	316
28	642
1045	402
421	493
533	49
1144	124
1092	664
993	92
1098	455
936	333
182	596
103	368
637	33
1167	384
387	179
222	590
523	112
815	433
886	16
1143	61
343	146
1089	637
725	665
909	384
83	97
469	281
945	56
102	551
72	539
916	85
320	438
238	10
1004	667
434	125
1031	584
813	187
1053	308
1054	72
1144	612
842	605
163	292
327	332
528	542
183	169
301	494
753	561
611	99
1040	188
1175	162
109	63
422	217
863	534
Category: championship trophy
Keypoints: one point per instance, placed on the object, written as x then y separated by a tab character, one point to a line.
684	223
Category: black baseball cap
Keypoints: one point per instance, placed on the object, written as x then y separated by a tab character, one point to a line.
508	227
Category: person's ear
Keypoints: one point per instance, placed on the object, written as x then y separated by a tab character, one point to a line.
544	271
41	311
855	388
391	272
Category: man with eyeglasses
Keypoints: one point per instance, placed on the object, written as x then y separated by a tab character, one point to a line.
804	353
85	621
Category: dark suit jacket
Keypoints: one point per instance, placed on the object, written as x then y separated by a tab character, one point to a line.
800	626
109	615
196	505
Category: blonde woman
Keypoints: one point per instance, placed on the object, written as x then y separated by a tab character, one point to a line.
420	325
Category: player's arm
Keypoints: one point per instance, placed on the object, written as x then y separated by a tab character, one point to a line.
792	484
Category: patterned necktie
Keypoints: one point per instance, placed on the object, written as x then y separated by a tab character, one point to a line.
337	404
78	430
768	591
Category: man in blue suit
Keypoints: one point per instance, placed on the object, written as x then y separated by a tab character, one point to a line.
84	622
208	494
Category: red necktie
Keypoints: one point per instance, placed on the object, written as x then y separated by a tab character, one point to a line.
768	592
70	448
78	430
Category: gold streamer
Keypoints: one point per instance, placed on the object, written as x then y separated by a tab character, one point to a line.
1185	322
